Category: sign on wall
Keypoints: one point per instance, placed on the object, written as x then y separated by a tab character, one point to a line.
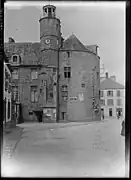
81	96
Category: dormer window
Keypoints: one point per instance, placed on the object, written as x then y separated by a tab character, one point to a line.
15	58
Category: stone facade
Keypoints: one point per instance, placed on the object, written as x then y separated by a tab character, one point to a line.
39	92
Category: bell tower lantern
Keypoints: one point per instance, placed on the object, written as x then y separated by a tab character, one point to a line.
50	29
49	11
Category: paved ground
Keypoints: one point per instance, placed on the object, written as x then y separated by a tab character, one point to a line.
68	150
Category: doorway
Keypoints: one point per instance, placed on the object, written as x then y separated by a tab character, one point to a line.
63	115
110	112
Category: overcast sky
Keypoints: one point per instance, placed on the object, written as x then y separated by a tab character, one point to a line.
98	23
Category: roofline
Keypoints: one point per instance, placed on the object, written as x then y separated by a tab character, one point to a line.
79	51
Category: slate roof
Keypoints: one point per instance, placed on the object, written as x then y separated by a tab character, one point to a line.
110	84
73	43
31	52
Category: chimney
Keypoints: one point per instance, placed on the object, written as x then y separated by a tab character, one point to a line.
106	75
113	78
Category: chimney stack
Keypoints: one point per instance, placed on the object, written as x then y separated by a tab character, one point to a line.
113	78
106	75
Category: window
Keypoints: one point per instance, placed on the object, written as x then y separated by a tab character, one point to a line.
49	10
118	93
34	94
15	74
8	109
109	93
102	102
118	102
53	10
15	57
110	102
34	74
54	69
15	93
57	26
101	93
67	72
68	54
83	85
46	10
64	92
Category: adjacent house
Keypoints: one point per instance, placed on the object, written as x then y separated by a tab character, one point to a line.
112	97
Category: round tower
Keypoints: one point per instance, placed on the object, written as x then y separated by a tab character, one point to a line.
50	29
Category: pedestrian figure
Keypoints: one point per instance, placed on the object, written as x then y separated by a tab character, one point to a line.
117	115
103	116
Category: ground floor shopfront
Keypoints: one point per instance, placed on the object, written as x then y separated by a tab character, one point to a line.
112	112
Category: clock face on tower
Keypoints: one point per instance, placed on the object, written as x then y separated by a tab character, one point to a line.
47	41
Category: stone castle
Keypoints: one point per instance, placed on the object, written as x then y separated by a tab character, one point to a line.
34	76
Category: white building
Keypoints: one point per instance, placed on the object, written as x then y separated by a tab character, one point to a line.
112	97
7	95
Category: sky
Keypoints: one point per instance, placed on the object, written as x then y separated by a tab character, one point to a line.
101	23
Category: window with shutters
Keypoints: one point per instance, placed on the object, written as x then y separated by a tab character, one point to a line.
67	72
118	93
15	73
15	93
34	94
64	92
110	102
119	102
34	73
109	93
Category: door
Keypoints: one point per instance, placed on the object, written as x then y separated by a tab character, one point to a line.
110	112
63	115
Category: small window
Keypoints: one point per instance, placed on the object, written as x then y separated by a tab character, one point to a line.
15	58
109	93
68	54
40	91
83	85
102	102
54	69
34	94
57	26
119	102
15	74
67	72
34	74
46	10
118	93
51	94
53	10
30	112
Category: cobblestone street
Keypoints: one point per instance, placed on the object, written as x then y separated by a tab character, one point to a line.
69	150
